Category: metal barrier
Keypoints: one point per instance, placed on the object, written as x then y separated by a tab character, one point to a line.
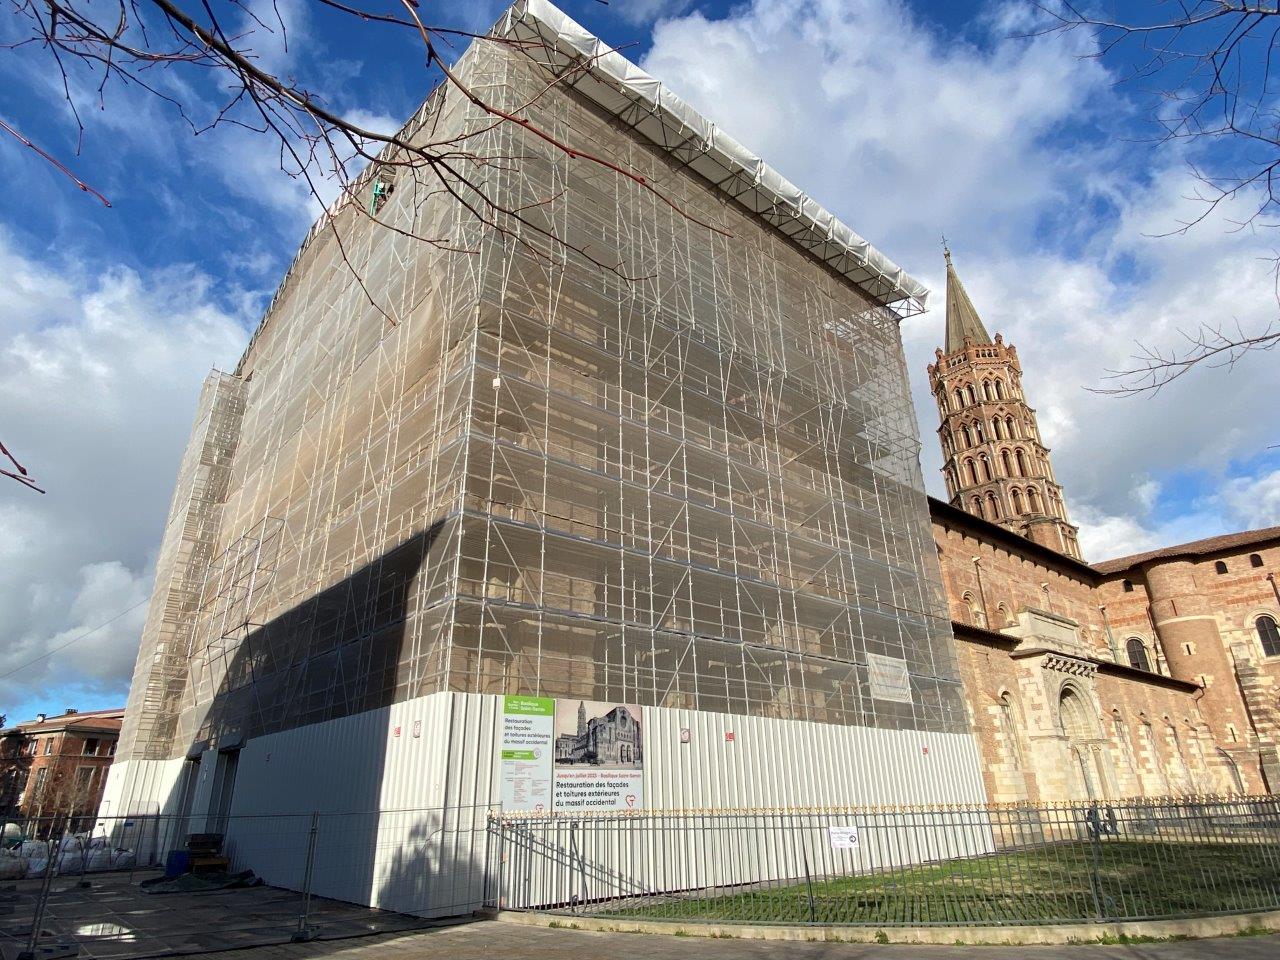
102	891
907	866
333	875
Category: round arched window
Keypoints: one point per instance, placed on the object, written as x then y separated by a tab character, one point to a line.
1137	653
1268	634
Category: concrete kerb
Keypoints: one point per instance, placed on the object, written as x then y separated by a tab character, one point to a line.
1064	933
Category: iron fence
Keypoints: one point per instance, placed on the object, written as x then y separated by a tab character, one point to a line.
124	887
958	865
105	891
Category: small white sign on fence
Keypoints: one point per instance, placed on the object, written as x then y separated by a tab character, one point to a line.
843	838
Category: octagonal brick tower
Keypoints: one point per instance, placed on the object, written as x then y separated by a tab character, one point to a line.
995	464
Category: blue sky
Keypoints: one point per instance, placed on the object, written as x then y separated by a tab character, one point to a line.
906	120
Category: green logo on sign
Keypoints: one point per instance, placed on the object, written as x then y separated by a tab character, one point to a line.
538	706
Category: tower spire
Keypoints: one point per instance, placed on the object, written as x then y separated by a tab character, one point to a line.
962	318
995	464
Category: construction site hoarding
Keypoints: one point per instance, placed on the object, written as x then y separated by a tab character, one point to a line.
492	465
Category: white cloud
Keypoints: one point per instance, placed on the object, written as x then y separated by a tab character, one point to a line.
1255	497
906	134
99	374
901	134
1145	493
1103	537
274	32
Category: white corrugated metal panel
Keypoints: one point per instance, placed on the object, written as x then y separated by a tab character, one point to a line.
403	796
141	787
780	763
377	780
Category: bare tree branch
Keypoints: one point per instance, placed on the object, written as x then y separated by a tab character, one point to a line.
57	164
1211	66
21	475
141	43
1211	345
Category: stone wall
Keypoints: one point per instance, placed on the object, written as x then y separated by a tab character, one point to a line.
1059	712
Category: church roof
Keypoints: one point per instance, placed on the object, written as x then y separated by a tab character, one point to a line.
949	514
962	318
1196	548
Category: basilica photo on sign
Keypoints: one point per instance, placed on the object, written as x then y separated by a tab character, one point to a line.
610	738
1148	675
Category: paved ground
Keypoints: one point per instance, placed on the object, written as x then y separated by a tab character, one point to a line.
491	940
112	919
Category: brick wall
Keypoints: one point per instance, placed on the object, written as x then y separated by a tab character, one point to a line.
1057	709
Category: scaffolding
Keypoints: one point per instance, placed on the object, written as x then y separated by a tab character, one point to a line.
698	487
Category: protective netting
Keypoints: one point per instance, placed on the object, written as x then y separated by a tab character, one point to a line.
692	481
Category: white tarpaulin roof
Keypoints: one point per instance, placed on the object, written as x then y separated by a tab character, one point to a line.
614	83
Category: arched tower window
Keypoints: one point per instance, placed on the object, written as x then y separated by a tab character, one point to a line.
1033	500
1009	428
994	506
973	397
972	469
977	432
986	468
959	399
1268	635
1017	502
999	389
968	438
987	390
975	506
1136	650
1021	461
1005	463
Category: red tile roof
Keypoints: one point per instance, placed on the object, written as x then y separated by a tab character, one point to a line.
98	719
1196	548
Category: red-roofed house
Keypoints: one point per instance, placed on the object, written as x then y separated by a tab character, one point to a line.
57	766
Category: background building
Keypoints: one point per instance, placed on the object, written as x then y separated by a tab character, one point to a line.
697	491
57	766
1148	675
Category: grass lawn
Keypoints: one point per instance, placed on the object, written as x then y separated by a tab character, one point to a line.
1052	883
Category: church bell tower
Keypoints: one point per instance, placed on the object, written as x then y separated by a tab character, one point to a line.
994	462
